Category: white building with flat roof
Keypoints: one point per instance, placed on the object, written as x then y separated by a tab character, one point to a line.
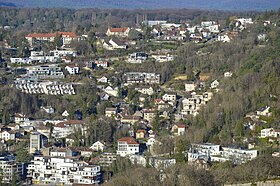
62	171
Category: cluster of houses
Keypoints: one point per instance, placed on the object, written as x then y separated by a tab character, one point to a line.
44	87
63	166
215	153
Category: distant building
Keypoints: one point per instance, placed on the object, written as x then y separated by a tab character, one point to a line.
72	69
120	32
127	145
137	57
270	132
142	77
67	37
220	154
98	146
63	171
45	71
9	167
37	141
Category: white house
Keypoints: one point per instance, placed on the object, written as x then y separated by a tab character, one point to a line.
65	113
179	129
264	111
72	69
190	86
65	128
137	57
110	112
20	118
103	79
121	32
146	90
7	135
215	84
172	97
112	91
270	132
98	146
227	74
127	146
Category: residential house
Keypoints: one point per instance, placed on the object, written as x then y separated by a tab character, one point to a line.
215	84
179	129
161	163
170	97
101	63
127	146
110	112
72	69
67	37
65	128
112	91
149	114
48	109
120	32
98	146
107	159
146	90
130	119
65	113
264	111
115	43
8	135
103	79
190	86
19	118
140	134
137	57
61	152
227	74
270	132
142	77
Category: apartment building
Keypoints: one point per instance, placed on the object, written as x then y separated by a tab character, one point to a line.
10	167
45	71
37	141
46	87
217	153
127	146
137	57
142	77
62	171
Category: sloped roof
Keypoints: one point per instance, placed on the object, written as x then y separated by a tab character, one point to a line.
70	122
128	140
118	29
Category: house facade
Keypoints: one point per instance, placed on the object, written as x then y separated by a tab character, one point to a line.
127	146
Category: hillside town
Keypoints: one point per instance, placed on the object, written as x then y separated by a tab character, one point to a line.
133	99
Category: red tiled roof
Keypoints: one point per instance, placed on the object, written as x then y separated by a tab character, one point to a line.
118	29
181	125
64	34
128	140
70	122
41	35
140	131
